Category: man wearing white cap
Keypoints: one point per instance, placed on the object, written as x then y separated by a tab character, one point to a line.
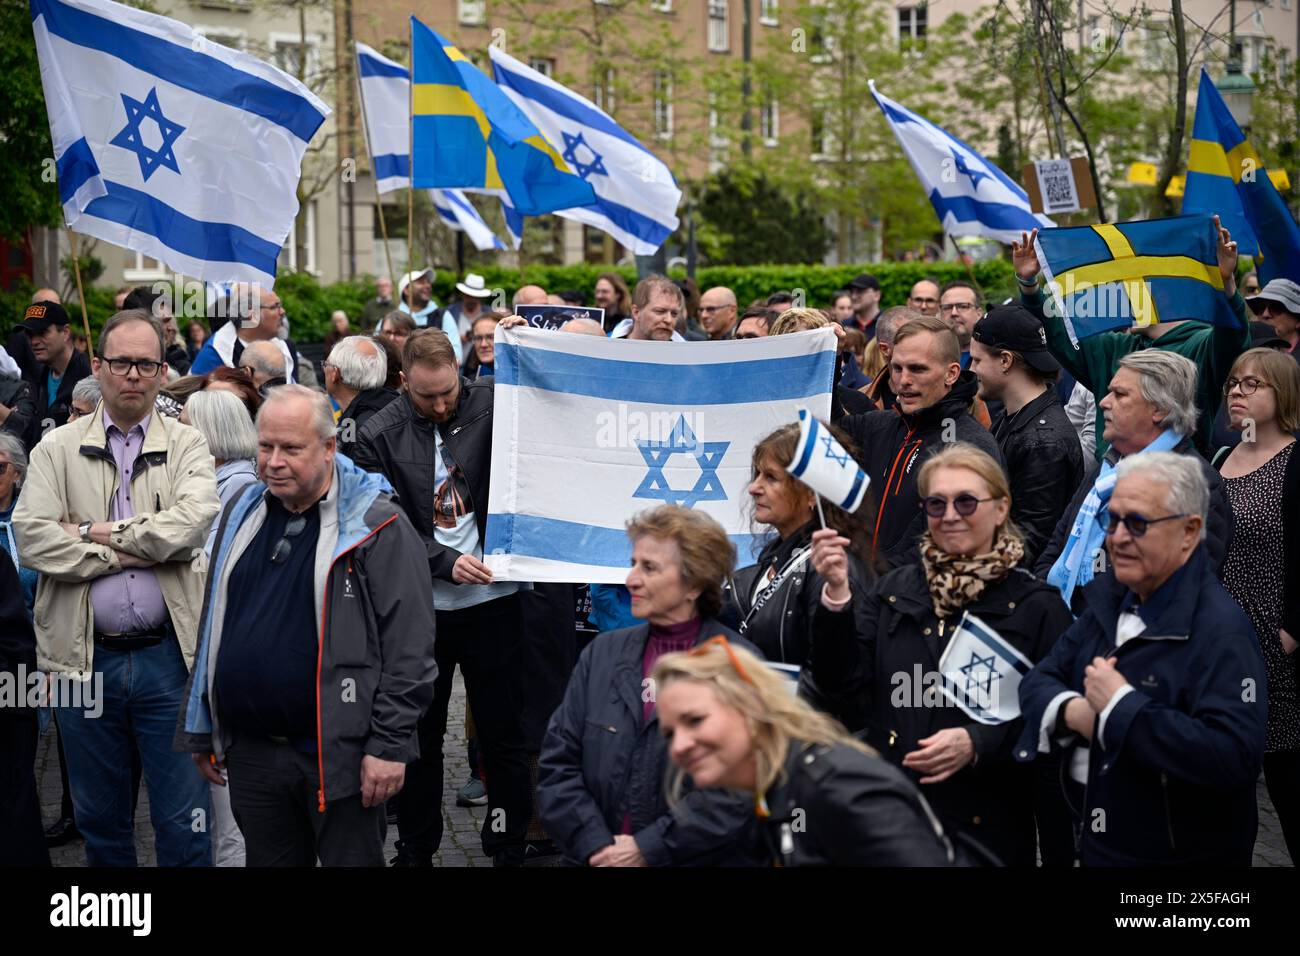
416	293
473	294
1278	304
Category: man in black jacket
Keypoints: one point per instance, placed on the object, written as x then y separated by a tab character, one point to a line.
21	841
16	405
59	366
434	444
355	372
1040	447
933	409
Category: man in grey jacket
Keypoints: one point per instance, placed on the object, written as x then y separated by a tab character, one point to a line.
316	648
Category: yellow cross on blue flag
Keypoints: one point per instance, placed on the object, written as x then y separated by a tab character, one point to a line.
1226	176
1115	275
466	133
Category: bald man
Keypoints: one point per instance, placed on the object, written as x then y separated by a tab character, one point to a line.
583	327
265	363
46	295
530	295
718	313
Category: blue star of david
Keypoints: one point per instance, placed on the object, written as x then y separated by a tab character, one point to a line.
974	175
682	440
571	144
829	442
130	137
980	667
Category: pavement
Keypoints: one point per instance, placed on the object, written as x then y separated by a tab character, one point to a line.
460	839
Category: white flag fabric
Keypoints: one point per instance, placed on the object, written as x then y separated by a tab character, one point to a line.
970	195
822	464
981	672
169	144
386	109
458	213
589	431
636	194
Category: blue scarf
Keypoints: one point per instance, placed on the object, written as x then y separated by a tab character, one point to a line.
1074	568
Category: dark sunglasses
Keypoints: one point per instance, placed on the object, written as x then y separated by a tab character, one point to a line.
964	505
1137	524
284	547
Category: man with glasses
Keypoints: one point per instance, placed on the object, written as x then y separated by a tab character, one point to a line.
257	314
1150	406
959	306
924	297
1156	696
116	508
718	313
317	650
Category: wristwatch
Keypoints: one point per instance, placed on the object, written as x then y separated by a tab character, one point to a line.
83	529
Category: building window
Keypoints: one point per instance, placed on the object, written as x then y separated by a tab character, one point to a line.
769	122
294	57
1154	42
472	13
604	97
144	270
820	137
719	27
767	13
290	254
546	67
663	6
663	105
233	39
911	28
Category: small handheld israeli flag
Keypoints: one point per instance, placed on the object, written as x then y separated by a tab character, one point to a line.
982	672
824	465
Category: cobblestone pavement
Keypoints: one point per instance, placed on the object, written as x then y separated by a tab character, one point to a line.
460	839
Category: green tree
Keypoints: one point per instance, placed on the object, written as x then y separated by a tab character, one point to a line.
747	219
26	154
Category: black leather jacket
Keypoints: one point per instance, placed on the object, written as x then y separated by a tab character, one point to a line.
398	441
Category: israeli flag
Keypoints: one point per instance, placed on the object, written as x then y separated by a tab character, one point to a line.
456	212
981	672
636	195
171	145
385	99
589	431
970	195
822	464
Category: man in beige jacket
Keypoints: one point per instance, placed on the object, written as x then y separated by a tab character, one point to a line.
114	514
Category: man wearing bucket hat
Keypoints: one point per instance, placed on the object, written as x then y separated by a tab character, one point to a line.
415	292
59	366
474	294
1044	461
1278	304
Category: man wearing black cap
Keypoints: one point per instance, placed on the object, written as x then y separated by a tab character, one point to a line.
865	290
59	366
1044	462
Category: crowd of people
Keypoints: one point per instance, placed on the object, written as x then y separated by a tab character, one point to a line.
267	575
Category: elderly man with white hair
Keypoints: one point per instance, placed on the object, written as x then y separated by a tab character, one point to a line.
316	648
1157	694
355	372
1149	406
265	364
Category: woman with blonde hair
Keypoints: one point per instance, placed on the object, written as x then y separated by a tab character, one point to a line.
888	669
821	797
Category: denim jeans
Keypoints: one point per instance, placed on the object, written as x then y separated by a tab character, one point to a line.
143	691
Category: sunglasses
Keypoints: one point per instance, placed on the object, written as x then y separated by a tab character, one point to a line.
964	505
720	641
1137	524
284	547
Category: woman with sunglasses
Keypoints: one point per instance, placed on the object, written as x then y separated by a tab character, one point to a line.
821	798
600	789
970	554
1261	478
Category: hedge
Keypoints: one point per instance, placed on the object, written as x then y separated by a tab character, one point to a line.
309	304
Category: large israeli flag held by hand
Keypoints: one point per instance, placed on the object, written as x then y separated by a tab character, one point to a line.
636	195
981	672
589	431
169	144
970	195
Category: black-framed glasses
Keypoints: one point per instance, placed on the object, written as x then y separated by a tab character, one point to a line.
1249	385
964	505
122	366
1137	524
959	307
284	547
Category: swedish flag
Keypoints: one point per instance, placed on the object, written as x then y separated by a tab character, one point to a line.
466	133
1225	176
1134	273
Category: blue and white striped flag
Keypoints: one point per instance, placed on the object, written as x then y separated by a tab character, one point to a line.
386	110
970	195
589	431
168	144
822	464
981	672
636	195
456	212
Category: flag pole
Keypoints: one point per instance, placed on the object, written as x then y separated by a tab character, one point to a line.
410	192
81	296
383	229
969	271
820	514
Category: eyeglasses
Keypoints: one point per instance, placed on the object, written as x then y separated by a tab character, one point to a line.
1248	385
484	339
122	367
714	308
964	505
920	301
284	547
1137	524
720	641
958	307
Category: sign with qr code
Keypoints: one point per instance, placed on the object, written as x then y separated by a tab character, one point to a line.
1057	187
